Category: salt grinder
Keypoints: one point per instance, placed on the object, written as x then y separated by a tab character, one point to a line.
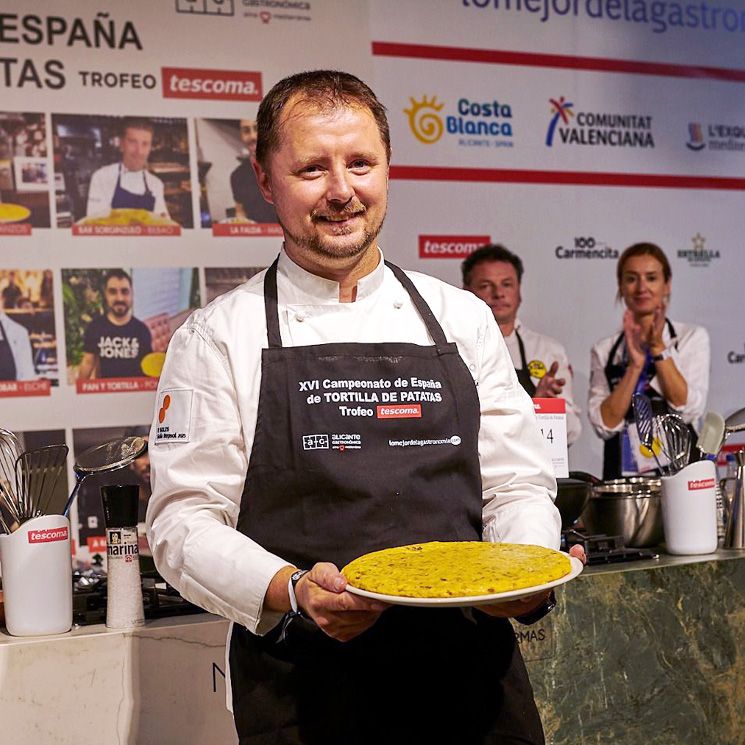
124	608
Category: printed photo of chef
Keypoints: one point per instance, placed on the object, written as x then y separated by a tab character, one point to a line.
219	280
91	526
28	344
228	192
49	494
118	322
24	173
121	171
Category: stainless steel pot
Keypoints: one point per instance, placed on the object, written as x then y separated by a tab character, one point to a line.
628	507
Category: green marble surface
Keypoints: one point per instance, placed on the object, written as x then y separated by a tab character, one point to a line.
650	653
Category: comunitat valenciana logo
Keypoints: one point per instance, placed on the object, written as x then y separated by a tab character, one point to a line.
698	255
471	123
567	126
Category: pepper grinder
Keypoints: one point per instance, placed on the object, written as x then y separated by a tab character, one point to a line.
124	607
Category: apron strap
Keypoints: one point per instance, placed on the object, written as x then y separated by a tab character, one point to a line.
432	324
272	311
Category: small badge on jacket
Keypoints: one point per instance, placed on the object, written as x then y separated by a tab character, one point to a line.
174	415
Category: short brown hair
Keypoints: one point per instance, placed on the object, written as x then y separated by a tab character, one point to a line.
490	252
644	249
131	122
324	89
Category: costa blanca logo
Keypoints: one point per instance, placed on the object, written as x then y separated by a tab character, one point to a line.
695	137
719	137
215	85
698	255
206	7
424	120
450	246
585	247
471	123
596	128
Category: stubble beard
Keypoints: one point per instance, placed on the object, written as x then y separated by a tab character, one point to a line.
319	245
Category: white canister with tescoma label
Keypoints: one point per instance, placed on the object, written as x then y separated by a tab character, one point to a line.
37	577
689	509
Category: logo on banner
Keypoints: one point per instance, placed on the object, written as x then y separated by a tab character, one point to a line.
216	85
698	255
596	129
473	123
206	7
695	137
586	247
283	10
736	358
721	137
450	246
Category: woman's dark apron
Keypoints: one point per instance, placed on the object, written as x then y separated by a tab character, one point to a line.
614	371
334	476
523	373
124	199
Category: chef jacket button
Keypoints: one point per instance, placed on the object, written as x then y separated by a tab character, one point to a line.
300	317
472	367
398	305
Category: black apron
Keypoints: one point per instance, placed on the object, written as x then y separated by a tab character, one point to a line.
124	199
325	486
613	373
7	361
523	373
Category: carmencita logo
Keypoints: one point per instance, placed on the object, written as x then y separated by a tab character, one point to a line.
568	126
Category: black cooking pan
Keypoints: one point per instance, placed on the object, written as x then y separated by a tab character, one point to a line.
572	496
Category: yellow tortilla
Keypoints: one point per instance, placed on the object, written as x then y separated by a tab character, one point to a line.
13	212
455	569
126	216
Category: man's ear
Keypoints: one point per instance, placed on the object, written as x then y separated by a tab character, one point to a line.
263	180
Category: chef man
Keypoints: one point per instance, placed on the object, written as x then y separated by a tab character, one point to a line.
249	204
115	342
16	352
274	460
494	274
128	184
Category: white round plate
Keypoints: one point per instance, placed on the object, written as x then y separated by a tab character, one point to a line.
497	597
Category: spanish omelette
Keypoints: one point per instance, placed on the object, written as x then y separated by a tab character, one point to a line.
443	569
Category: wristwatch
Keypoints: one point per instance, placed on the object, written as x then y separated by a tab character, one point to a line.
542	610
663	355
292	583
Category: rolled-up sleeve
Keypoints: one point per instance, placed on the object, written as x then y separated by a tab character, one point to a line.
516	472
693	360
600	390
197	487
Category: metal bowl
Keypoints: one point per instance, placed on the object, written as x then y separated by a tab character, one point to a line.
626	507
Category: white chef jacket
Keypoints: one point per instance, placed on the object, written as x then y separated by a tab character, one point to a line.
103	185
547	350
691	352
197	484
20	347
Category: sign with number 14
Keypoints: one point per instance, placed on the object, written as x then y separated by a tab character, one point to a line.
552	419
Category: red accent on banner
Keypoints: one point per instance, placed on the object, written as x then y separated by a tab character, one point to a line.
49	535
241	230
15	228
12	388
450	246
399	411
576	178
148	230
116	385
563	61
549	405
217	85
96	544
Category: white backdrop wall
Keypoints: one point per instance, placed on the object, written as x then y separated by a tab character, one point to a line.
668	74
